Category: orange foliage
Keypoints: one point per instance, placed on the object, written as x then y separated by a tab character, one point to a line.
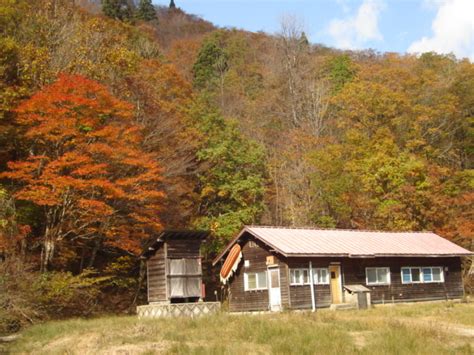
85	167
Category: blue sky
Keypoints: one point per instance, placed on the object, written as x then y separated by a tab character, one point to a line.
443	26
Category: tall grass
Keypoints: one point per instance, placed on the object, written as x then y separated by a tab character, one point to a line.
377	331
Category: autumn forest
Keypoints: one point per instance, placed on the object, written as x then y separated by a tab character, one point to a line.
116	123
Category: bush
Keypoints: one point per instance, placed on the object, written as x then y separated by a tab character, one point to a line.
28	296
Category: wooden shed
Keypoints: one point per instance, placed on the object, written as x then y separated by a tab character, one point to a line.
174	276
174	273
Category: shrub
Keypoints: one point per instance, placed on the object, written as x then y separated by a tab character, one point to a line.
29	297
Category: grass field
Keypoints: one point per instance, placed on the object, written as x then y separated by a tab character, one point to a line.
435	328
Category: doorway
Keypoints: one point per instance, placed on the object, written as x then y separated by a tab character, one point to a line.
274	289
336	285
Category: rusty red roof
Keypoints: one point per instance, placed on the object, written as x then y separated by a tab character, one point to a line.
304	242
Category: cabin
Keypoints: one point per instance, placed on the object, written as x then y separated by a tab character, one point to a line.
275	268
174	275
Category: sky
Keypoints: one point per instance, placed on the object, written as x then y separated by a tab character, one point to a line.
413	26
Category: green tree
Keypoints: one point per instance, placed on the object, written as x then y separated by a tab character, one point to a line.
172	5
117	9
231	183
146	11
341	71
211	64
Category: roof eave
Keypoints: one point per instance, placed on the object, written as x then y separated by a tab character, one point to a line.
362	256
242	232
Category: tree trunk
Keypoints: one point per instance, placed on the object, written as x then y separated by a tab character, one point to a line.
142	276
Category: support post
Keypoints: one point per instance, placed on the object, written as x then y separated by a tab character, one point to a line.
311	281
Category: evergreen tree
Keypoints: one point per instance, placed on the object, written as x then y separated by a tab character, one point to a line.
146	10
117	9
172	5
211	62
341	72
303	41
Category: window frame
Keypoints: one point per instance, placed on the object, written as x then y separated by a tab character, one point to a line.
315	281
422	276
301	270
377	283
257	283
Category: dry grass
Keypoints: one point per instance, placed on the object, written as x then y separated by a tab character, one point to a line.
442	328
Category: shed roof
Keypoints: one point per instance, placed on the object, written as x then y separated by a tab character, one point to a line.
155	242
310	242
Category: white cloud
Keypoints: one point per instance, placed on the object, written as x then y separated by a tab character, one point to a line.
355	30
453	30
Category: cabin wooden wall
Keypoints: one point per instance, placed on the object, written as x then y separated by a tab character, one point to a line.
300	295
353	271
258	300
156	276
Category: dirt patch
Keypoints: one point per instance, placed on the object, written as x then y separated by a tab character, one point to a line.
129	349
361	338
92	344
456	329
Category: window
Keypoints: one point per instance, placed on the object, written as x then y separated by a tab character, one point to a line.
184	278
321	276
302	276
255	281
299	277
252	244
377	275
422	274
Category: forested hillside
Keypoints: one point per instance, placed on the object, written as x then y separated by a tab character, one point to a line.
117	124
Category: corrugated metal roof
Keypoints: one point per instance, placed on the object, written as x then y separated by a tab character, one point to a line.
302	242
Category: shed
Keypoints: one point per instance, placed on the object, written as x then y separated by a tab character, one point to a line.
173	261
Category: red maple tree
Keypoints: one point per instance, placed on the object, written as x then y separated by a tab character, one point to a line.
85	168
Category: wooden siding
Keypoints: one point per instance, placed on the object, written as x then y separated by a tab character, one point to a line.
156	274
300	295
183	248
239	299
353	272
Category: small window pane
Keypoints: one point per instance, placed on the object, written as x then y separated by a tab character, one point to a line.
427	276
177	267
382	276
406	275
293	276
320	276
251	281
415	275
193	266
177	287
305	276
193	287
316	276
325	276
437	274
371	276
296	277
262	279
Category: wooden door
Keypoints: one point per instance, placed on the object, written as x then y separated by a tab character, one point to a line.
336	284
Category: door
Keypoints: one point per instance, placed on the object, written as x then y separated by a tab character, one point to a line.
274	289
336	285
